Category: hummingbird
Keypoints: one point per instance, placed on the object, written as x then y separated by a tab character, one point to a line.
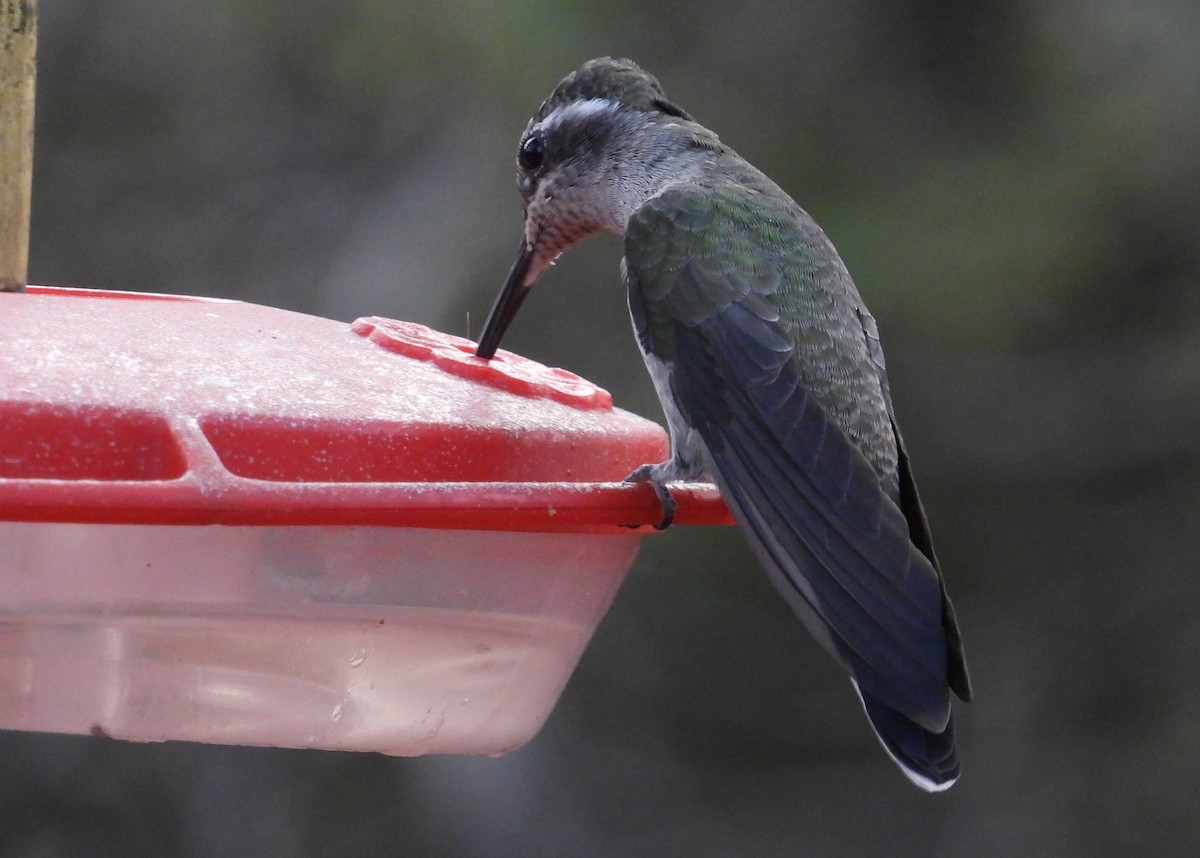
772	381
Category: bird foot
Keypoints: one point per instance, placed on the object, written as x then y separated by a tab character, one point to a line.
657	476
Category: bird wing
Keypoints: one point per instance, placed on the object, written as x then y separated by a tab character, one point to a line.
909	500
835	544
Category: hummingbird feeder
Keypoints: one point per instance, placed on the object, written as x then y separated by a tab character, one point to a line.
228	523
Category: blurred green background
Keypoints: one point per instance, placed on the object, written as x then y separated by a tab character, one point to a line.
1016	189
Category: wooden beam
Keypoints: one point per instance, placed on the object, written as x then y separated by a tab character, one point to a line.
18	30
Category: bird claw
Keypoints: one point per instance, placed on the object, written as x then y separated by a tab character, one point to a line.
653	475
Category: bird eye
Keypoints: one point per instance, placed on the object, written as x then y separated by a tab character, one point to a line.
531	153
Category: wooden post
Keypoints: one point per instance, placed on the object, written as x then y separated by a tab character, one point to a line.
18	30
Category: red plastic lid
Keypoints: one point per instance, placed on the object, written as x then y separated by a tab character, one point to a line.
156	409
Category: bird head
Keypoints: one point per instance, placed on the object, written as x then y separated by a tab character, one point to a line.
605	140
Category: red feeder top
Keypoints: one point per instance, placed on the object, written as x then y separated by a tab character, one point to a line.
157	409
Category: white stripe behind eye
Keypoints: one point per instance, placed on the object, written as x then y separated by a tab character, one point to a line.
577	110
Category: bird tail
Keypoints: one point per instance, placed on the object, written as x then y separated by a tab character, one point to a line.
927	759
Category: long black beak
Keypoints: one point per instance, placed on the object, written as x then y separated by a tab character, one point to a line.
507	304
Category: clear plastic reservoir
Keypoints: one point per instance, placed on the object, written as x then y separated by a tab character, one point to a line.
400	640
